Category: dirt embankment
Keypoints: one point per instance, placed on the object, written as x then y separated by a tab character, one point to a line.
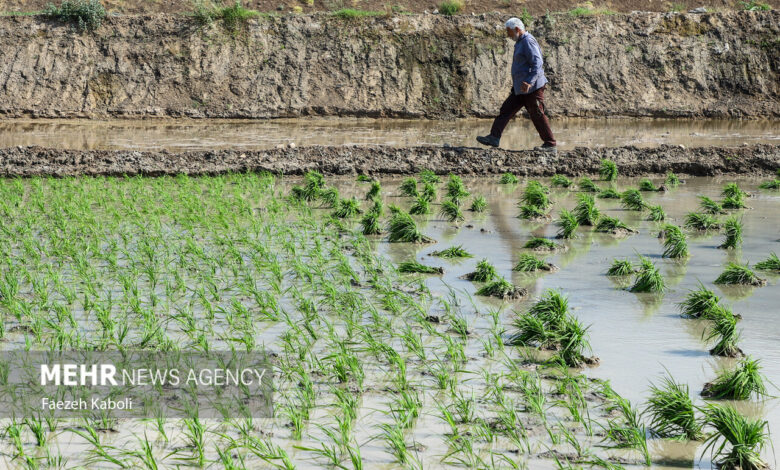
385	160
643	64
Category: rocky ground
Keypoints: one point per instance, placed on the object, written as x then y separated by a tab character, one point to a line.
641	64
385	160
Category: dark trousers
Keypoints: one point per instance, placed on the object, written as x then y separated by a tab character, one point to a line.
534	103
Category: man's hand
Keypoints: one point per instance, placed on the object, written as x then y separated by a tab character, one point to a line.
524	87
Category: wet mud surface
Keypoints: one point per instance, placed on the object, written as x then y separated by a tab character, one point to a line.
385	160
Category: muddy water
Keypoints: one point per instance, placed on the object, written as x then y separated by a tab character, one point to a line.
636	336
182	135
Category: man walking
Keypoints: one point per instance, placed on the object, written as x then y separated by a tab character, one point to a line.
528	84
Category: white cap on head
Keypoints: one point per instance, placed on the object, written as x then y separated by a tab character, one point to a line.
513	23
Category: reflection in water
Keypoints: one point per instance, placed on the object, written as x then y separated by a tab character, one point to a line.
185	134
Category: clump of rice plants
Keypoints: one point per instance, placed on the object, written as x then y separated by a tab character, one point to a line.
586	211
370	223
429	191
646	185
314	182
738	383
612	225
671	411
699	303
587	185
478	204
770	264
485	272
710	206
451	211
732	190
409	187
329	196
502	289
364	178
724	331
675	242
672	180
530	263
415	267
508	178
373	191
739	274
428	176
421	206
535	194
698	221
541	244
632	200
608	193
621	267
560	181
532	212
347	208
656	214
746	438
456	190
734	203
648	278
402	228
771	184
733	234
567	224
453	252
608	170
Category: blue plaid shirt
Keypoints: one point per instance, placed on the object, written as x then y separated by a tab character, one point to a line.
527	64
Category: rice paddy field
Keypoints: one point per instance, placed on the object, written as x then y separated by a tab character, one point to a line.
424	322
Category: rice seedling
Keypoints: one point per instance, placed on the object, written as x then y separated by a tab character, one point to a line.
724	331
453	252
347	208
672	180
485	272
451	211
739	383
374	191
572	340
508	178
535	194
671	411
710	206
656	214
329	196
771	184
770	264
530	263
478	204
608	193
415	267
531	212
541	244
429	192
402	228
363	178
456	190
733	234
613	225
646	185
500	288
586	184
699	303
732	190
586	211
631	199
421	206
370	223
621	267
698	221
739	274
567	224
608	170
734	203
409	187
647	278
738	441
675	242
314	182
429	177
560	181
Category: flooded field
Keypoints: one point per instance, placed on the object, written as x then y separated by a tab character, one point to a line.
183	135
376	368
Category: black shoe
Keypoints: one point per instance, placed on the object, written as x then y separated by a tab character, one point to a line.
488	140
547	148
